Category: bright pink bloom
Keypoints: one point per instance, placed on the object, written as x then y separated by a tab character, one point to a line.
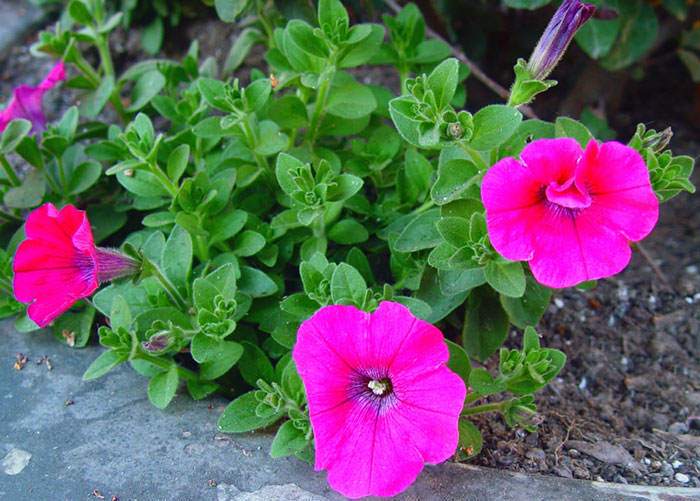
570	213
58	264
381	399
27	101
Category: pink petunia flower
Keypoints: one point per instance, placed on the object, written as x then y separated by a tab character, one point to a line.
381	399
58	264
570	213
27	101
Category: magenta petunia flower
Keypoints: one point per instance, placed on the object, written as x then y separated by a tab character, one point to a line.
381	399
27	101
570	213
58	264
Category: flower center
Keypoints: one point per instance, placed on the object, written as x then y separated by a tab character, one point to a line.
568	195
380	387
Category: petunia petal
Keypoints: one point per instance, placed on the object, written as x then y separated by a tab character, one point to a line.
429	407
570	250
391	326
611	167
552	159
372	456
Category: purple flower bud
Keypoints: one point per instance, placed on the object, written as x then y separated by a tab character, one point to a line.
571	15
112	264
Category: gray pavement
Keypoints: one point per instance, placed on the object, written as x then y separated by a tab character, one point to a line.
62	438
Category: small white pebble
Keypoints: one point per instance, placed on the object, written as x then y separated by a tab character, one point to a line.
584	382
652	300
625	361
696	297
611	321
682	478
646	461
558	302
599	479
676	464
689	300
692	269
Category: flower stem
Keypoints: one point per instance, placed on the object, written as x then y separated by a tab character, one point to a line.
168	287
428	204
163	178
320	106
481	409
9	171
185	374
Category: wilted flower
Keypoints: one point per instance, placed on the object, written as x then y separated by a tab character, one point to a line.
27	101
571	15
58	263
382	401
570	213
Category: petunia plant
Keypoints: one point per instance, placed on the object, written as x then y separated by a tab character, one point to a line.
342	259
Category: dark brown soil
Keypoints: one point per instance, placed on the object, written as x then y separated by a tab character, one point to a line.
626	408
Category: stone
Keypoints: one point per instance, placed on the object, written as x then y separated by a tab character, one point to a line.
15	461
114	442
682	478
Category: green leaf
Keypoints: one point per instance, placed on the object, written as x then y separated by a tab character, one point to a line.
527	4
239	416
152	36
332	17
483	382
598	36
568	127
347	285
345	186
455	177
459	361
146	88
256	283
29	194
177	162
162	387
348	232
350	100
470	439
285	170
229	10
241	48
177	257
493	125
303	36
254	364
508	278
13	134
74	328
199	390
84	176
288	441
415	178
218	362
257	94
93	104
528	309
443	81
639	28
248	243
289	112
103	364
79	12
485	324
421	233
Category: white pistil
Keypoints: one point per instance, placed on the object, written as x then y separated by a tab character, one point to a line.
377	387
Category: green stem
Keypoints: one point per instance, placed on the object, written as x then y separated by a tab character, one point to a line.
261	160
320	106
472	397
105	56
168	287
267	27
62	176
9	171
163	178
481	409
428	204
202	249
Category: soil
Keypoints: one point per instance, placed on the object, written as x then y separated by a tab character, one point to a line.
626	407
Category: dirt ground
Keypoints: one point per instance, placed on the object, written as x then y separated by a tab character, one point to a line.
626	407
